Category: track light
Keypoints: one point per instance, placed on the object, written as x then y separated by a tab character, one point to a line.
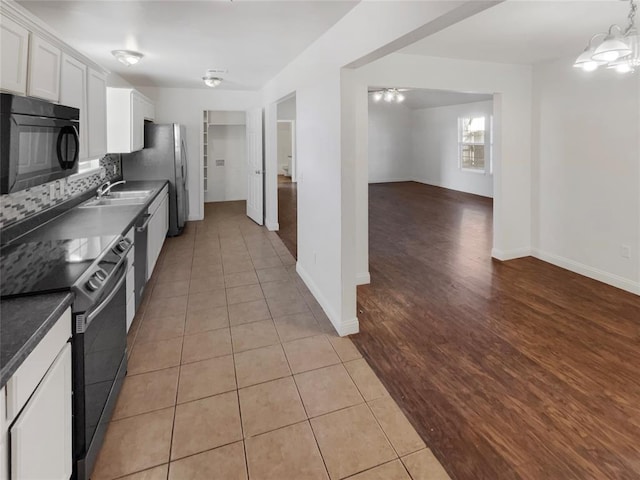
388	95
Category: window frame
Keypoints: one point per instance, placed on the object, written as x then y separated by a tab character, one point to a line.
487	144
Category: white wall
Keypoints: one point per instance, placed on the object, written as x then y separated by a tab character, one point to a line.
326	180
586	183
435	155
287	109
185	106
390	150
511	86
227	182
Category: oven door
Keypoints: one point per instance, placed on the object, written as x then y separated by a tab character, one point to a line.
41	149
99	368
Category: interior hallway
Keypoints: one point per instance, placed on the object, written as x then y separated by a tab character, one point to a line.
288	213
235	372
515	370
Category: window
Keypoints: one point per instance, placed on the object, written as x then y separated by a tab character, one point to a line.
472	144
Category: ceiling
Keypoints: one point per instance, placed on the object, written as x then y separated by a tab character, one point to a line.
524	32
180	40
416	99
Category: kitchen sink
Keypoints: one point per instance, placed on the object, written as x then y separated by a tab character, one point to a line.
129	194
132	197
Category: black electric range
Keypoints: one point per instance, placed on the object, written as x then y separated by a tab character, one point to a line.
81	265
94	269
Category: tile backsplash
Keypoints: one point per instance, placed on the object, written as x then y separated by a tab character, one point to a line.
25	203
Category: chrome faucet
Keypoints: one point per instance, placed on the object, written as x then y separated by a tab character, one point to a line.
106	187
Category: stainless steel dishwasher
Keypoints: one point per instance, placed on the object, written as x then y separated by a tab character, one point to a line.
140	258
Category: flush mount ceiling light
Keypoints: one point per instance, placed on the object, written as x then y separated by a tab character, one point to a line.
389	95
212	78
127	57
617	49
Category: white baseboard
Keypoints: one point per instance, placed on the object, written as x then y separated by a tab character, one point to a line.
448	187
587	271
195	218
272	226
391	180
504	255
363	278
342	327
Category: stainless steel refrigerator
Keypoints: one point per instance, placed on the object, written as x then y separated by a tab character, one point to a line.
164	157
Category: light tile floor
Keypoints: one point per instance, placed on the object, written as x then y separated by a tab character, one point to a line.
235	372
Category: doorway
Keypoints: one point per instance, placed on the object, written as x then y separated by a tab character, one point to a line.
224	156
287	174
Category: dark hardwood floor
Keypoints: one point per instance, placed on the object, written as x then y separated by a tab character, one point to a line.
288	213
514	370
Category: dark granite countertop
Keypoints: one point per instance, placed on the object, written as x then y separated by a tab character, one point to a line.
25	321
110	220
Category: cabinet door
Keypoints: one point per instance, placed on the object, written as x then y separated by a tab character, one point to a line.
97	113
149	110
43	429
156	233
14	51
44	69
73	93
137	122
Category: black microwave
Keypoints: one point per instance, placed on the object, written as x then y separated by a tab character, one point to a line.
39	142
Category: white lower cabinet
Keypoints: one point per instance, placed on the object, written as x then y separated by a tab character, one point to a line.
36	420
157	229
42	431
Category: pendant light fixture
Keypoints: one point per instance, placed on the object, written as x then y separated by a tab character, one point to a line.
617	49
127	57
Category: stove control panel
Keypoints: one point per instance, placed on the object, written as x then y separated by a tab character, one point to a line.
90	287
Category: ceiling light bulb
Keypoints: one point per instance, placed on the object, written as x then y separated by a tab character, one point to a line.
212	81
589	66
388	96
127	57
623	68
377	96
400	98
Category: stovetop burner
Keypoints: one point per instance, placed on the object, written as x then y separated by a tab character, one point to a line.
53	265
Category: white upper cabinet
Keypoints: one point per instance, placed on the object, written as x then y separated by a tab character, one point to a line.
149	110
97	113
127	110
14	51
44	69
73	93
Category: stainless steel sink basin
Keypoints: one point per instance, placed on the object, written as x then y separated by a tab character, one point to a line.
130	194
132	197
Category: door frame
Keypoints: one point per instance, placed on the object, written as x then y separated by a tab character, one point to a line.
271	161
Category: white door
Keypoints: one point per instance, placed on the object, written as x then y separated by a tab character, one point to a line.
255	167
